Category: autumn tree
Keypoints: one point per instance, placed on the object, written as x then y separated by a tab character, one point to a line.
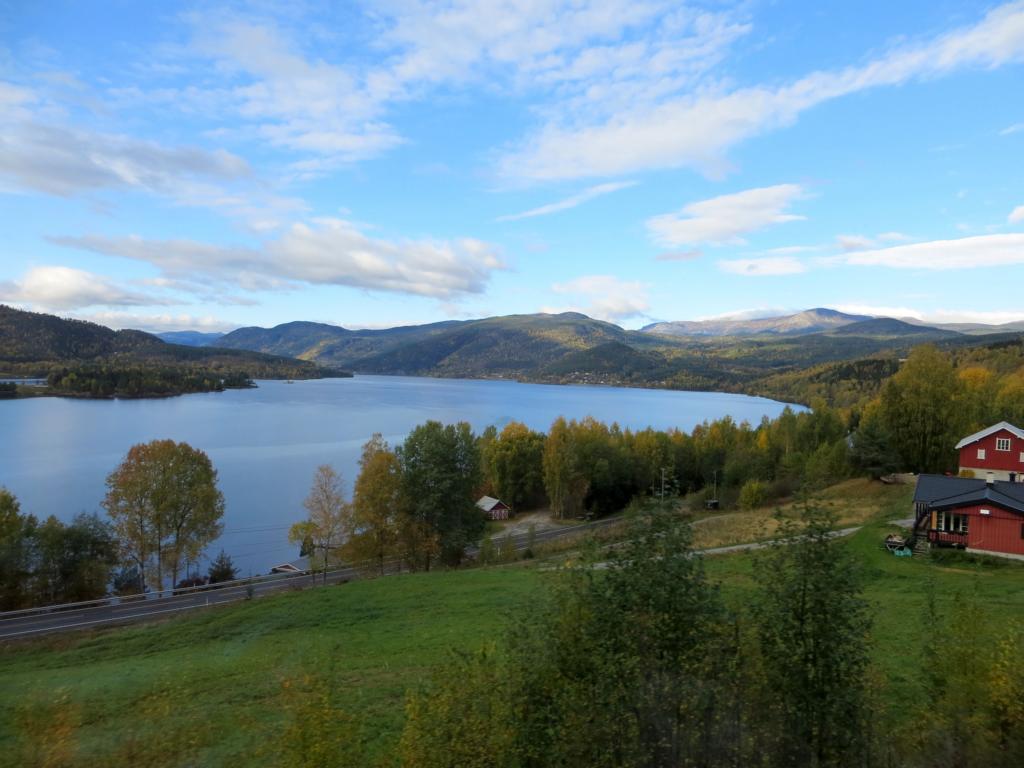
564	483
165	506
514	461
440	473
375	505
328	520
920	409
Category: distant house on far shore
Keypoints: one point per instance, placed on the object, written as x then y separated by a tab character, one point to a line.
495	509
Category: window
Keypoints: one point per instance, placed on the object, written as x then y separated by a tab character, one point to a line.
981	454
1022	457
1002	443
950	523
1022	530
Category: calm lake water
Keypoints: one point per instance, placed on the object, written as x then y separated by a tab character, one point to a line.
55	453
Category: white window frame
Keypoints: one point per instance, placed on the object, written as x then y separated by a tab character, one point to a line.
1003	444
1022	457
981	454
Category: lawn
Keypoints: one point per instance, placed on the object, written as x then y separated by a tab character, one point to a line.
210	688
225	669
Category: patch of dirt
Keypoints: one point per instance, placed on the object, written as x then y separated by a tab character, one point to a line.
540	519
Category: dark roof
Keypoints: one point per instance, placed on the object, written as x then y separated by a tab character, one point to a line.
943	492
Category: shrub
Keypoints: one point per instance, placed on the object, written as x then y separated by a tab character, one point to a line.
753	494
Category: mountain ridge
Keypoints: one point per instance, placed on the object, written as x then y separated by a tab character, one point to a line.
813	320
35	343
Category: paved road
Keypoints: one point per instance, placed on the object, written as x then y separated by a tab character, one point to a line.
26	624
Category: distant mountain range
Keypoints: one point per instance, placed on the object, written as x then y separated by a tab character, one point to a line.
190	338
808	321
32	343
727	355
571	347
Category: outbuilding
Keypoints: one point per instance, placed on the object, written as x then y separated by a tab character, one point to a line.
495	508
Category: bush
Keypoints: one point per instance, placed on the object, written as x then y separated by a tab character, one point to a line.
753	494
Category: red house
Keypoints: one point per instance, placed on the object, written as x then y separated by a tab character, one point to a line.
996	452
983	513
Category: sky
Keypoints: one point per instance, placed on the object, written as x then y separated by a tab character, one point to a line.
170	166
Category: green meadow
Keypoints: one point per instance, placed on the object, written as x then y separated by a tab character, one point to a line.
219	688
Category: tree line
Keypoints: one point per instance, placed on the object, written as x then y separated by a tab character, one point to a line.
141	381
415	502
932	401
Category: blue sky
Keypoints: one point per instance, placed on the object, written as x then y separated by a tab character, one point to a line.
169	166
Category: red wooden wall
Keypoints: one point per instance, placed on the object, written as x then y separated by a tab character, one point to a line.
1007	461
998	531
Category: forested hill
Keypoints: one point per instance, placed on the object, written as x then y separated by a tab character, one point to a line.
573	348
37	345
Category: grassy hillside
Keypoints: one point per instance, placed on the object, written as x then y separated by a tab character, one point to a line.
216	686
218	678
35	344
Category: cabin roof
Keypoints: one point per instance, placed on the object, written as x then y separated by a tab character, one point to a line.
295	566
487	503
943	492
1002	425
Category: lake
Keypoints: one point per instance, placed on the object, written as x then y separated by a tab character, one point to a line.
55	453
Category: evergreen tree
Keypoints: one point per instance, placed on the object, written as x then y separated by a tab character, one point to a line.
812	624
222	569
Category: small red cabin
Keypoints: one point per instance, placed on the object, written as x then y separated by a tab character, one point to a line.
495	509
995	453
985	516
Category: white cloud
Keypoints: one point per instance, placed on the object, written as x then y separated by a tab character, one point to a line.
688	255
938	316
894	237
45	157
963	253
767	267
854	242
1016	215
696	129
1011	129
158	323
571	202
335	107
324	251
44	150
63	288
604	296
724	219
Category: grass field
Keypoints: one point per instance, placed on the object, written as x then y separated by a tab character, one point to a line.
224	669
211	687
